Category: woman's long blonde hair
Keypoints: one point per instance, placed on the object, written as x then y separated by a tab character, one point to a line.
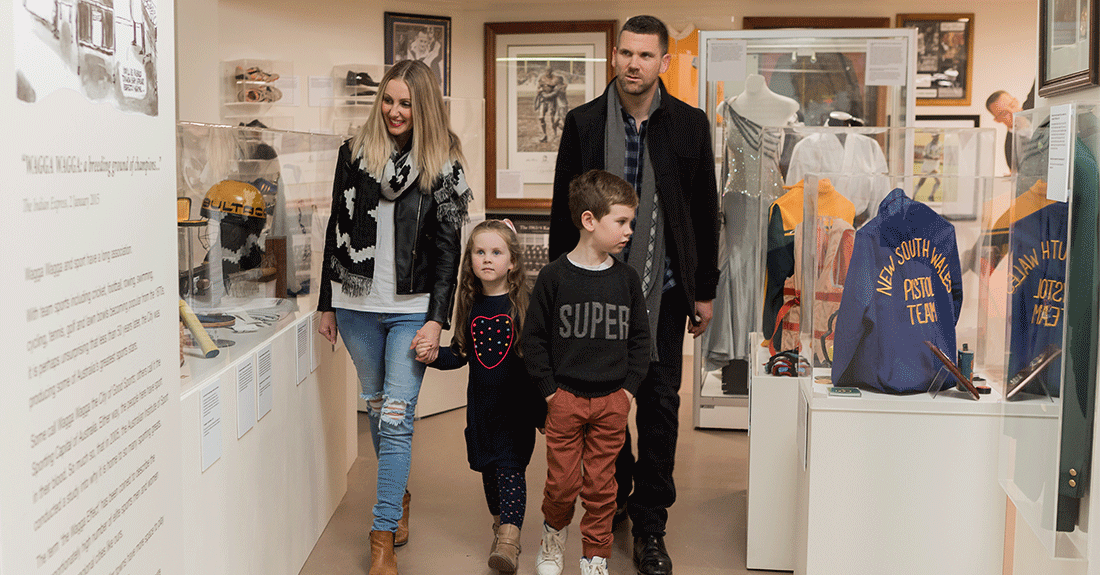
469	287
433	142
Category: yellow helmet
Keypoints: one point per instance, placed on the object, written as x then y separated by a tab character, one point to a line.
235	202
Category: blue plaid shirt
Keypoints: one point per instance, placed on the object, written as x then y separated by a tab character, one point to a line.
632	173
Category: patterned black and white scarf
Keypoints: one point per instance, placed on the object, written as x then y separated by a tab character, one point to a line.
357	224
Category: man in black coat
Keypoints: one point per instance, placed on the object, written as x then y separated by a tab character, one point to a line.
662	147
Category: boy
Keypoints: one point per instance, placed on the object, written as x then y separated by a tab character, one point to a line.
586	345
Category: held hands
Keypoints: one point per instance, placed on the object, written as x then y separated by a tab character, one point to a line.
704	310
426	342
327	327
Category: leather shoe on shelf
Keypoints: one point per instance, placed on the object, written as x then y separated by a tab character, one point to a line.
360	78
650	556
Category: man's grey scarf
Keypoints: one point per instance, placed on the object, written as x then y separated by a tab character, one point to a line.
647	246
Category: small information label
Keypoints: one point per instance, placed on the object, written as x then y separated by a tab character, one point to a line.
265	390
246	396
887	62
1058	165
210	414
726	60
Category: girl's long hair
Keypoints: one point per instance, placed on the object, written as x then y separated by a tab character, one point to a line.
433	142
469	287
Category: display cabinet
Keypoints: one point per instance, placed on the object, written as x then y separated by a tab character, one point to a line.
1049	265
354	90
751	81
250	88
946	167
249	202
809	307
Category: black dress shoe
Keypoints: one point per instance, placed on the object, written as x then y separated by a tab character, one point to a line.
650	556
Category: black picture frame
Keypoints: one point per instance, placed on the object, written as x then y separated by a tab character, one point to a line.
1068	49
420	37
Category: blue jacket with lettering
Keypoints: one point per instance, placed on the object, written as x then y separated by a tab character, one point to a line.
1037	287
904	287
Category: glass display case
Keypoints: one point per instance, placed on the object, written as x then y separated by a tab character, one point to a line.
864	302
252	205
1047	261
948	170
807	77
755	80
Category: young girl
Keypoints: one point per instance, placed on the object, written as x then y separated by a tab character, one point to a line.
503	408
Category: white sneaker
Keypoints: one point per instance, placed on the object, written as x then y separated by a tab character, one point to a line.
594	566
550	560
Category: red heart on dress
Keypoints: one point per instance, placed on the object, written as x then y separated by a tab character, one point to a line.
496	347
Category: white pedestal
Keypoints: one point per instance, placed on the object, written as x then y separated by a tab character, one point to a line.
898	484
773	472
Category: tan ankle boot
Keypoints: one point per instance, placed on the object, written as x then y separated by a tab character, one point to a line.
383	561
401	536
506	556
496	527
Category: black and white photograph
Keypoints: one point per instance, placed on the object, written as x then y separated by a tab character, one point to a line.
424	38
535	73
105	50
944	48
545	82
545	91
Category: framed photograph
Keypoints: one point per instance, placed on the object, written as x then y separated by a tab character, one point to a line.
1068	49
947	121
424	38
945	57
535	72
944	164
774	22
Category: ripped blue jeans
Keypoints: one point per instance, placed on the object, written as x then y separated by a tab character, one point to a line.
389	379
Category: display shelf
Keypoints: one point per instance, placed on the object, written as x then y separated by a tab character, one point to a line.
354	91
714	409
910	474
298	454
249	90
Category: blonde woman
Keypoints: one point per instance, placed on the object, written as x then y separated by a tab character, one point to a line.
391	260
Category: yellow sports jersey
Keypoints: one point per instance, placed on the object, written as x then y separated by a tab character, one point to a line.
682	78
829	203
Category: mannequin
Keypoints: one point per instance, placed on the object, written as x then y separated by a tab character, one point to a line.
759	104
749	188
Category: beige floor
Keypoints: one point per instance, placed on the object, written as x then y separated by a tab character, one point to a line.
450	526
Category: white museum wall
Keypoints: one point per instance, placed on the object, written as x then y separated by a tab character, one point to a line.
91	477
317	36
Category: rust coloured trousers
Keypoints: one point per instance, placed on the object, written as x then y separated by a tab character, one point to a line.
583	438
